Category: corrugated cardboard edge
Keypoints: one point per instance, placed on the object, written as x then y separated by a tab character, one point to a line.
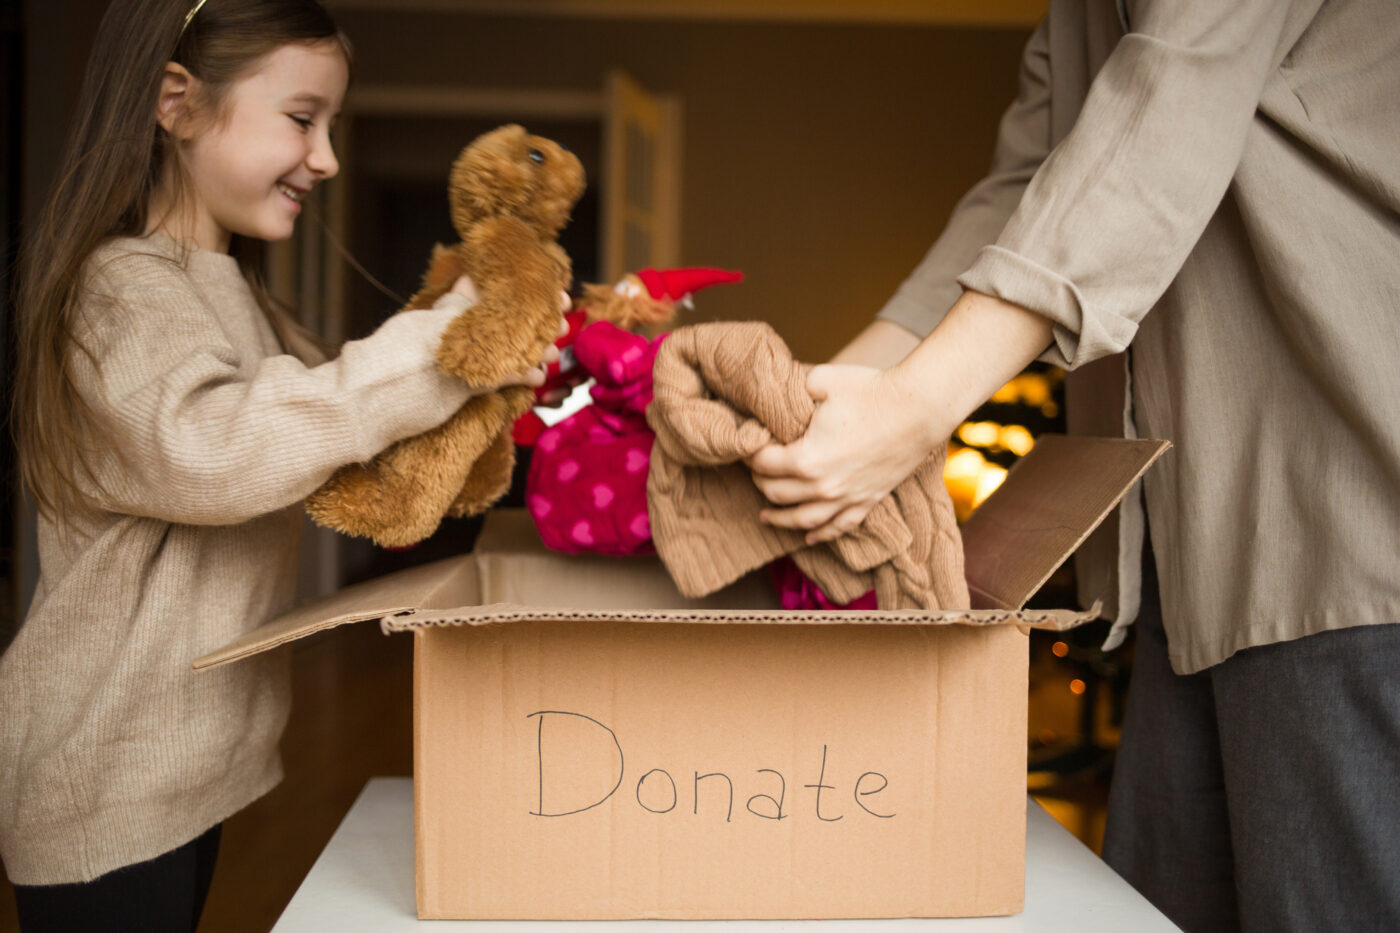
1057	620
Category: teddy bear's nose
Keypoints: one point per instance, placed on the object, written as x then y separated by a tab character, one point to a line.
535	156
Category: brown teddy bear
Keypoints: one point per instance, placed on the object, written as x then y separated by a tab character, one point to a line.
511	194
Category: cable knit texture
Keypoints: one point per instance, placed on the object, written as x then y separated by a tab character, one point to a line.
723	391
113	750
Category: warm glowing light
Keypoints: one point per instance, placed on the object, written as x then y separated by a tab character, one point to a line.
960	476
979	433
1076	686
987	483
1049	409
1059	649
1016	439
965	465
1033	388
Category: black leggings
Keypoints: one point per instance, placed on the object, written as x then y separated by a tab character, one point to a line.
163	895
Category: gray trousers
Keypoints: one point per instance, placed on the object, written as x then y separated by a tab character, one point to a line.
1263	794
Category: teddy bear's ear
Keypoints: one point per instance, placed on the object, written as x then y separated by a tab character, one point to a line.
444	268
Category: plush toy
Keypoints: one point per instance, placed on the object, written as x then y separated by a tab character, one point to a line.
510	194
587	486
647	299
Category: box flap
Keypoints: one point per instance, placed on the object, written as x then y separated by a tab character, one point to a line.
1048	504
414	588
509	565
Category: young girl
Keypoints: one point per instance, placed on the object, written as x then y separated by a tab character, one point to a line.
168	437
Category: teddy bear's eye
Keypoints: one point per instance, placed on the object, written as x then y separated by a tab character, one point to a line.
535	156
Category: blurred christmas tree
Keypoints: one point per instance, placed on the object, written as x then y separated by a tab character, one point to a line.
1002	430
1077	690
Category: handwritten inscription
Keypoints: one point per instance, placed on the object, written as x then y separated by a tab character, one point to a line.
657	790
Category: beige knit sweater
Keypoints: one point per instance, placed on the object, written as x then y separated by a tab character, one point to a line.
723	391
113	750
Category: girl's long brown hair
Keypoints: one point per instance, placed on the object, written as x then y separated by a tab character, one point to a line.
114	159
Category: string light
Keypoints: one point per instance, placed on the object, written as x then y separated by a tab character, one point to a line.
968	474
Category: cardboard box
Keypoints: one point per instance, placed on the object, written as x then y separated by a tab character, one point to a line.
589	745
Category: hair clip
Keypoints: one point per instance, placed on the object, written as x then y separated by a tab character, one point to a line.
190	16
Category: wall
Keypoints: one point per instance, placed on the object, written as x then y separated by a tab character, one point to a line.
822	159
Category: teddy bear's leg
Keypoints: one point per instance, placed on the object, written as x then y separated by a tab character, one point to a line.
488	480
400	497
491	474
371	500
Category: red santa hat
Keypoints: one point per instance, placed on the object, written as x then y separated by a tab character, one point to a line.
676	284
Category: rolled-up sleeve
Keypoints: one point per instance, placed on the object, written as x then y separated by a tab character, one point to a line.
1023	141
1113	212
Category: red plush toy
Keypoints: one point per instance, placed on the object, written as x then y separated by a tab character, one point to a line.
648	298
587	487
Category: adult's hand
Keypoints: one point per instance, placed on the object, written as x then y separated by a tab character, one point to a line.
867	435
872	428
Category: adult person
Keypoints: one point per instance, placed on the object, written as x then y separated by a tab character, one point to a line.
1215	189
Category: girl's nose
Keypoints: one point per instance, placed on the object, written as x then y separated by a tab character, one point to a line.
321	159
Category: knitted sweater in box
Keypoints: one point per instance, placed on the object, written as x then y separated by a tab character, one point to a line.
722	391
112	750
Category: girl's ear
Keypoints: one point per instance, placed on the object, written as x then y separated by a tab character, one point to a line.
177	87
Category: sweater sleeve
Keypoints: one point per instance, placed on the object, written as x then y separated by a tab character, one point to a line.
1023	141
1109	219
205	434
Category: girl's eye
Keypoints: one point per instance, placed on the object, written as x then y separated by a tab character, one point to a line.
302	122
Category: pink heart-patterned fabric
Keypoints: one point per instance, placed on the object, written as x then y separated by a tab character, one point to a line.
587	485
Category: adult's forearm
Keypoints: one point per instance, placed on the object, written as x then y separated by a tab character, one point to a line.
980	345
881	345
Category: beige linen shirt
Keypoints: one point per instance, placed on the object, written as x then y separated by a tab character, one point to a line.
112	749
1218	185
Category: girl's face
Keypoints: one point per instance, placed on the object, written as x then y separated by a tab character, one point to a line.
250	170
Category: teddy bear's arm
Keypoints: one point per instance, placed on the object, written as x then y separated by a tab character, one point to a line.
401	496
445	267
518	313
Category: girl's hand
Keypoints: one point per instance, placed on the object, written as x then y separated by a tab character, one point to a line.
556	397
465	287
461	296
867	436
536	375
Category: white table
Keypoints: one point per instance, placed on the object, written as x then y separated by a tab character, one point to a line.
363	881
